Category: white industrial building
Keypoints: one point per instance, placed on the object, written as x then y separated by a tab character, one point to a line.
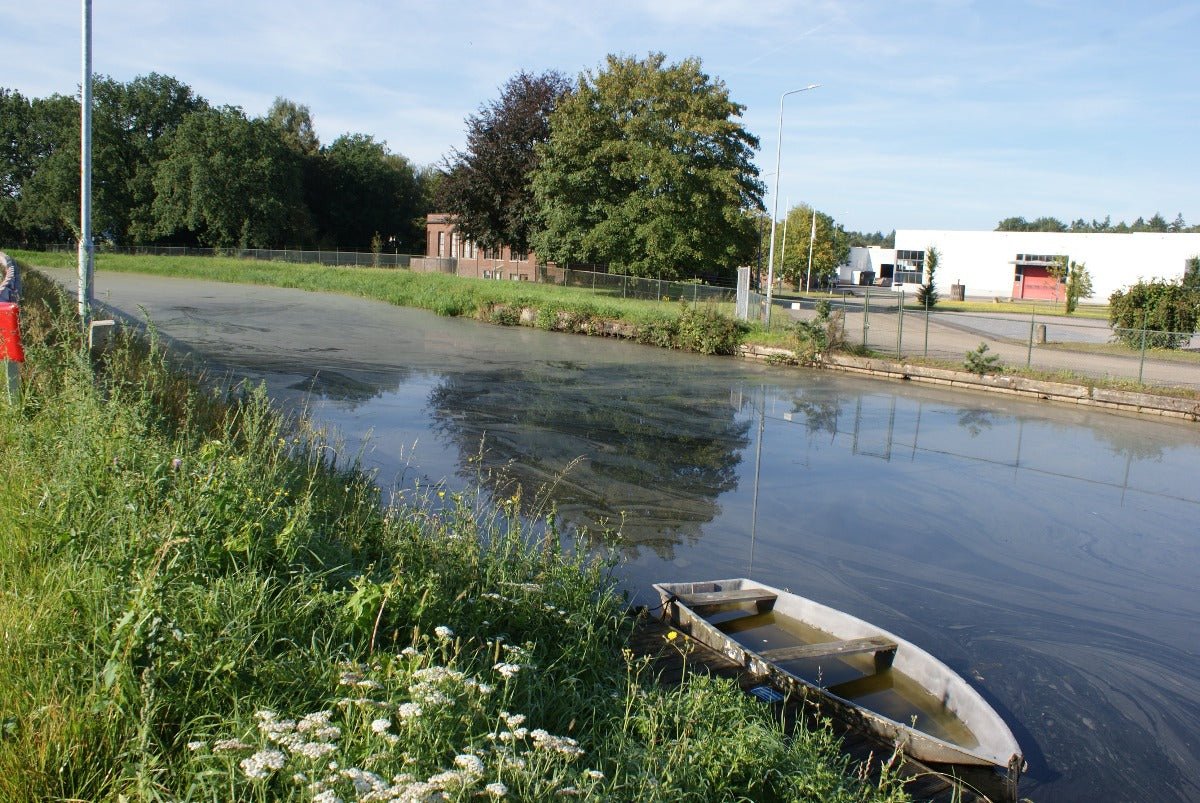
1016	264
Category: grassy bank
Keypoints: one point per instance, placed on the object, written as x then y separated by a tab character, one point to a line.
200	603
706	328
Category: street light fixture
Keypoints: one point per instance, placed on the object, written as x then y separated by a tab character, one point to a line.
775	203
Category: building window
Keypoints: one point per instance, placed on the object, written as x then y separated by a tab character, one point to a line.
487	274
519	256
441	244
455	242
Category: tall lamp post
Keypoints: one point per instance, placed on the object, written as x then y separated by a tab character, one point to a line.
775	203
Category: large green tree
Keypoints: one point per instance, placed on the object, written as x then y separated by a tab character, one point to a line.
131	123
647	169
47	209
366	190
227	181
830	248
486	187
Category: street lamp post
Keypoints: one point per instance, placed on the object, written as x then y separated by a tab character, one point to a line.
775	203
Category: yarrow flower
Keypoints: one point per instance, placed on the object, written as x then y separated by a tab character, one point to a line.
507	671
558	744
443	632
381	725
229	745
472	765
262	763
409	710
496	789
194	746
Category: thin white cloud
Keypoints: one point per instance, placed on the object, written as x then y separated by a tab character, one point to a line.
950	113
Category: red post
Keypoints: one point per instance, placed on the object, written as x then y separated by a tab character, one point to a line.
10	333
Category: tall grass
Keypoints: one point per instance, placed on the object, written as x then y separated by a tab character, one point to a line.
201	602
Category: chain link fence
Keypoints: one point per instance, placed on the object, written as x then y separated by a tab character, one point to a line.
364	259
892	324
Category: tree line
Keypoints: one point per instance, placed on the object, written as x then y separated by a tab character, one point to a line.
641	165
171	168
1156	223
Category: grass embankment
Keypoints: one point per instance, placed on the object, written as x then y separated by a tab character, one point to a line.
705	328
199	603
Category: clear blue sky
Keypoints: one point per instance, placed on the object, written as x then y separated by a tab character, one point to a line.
950	114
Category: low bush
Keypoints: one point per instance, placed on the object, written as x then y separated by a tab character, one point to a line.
1167	311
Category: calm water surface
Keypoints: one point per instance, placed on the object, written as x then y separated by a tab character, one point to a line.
1047	554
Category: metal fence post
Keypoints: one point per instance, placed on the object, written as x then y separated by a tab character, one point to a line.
926	325
866	312
843	316
624	281
900	325
1142	362
1029	351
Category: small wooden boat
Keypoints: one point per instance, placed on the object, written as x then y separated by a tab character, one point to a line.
874	680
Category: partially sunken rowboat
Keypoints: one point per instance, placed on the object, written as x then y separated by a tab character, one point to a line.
874	680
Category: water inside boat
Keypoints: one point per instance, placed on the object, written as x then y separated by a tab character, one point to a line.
851	677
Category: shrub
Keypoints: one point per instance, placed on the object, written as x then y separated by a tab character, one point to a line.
980	362
707	331
817	337
1167	310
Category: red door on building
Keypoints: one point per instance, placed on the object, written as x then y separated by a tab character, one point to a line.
1035	281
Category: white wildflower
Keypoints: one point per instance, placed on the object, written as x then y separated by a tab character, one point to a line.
409	710
443	632
364	781
450	779
409	651
313	750
557	744
507	671
513	720
262	763
496	789
472	765
594	775
194	746
328	796
381	725
229	745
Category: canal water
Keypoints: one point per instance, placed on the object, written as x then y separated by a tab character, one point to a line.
1048	554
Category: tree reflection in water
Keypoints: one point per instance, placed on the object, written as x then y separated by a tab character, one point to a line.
653	463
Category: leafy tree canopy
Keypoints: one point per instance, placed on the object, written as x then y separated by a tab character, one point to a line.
1167	311
648	170
830	248
227	181
295	124
366	189
486	187
1156	223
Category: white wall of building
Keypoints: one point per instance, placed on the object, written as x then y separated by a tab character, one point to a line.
983	260
862	259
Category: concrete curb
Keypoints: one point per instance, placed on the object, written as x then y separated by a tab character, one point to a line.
1118	400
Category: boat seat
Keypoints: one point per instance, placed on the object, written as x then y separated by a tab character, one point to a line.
706	598
884	649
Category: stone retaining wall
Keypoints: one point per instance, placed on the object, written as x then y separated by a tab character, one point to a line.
1122	400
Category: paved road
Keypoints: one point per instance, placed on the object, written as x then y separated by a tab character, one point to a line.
952	334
